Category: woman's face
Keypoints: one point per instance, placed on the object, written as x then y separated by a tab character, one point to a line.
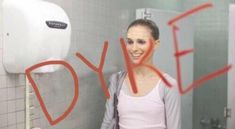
138	43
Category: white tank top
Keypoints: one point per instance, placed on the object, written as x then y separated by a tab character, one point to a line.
145	112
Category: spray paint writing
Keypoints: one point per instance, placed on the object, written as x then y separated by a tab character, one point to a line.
129	65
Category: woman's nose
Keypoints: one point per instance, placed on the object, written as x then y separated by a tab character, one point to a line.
134	46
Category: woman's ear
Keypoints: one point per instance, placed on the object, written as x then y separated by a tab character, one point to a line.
156	43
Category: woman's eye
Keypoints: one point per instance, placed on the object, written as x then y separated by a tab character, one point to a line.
141	41
129	42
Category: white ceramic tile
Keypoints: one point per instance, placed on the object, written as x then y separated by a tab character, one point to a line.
11	106
20	92
20	117
3	105
3	119
19	104
20	126
3	82
20	80
3	94
11	93
11	118
11	80
11	127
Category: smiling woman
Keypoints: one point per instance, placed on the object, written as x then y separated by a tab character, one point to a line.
138	35
154	106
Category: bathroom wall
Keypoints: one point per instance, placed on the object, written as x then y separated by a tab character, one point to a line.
211	39
93	22
11	94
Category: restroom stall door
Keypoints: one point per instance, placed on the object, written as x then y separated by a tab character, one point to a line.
164	55
231	74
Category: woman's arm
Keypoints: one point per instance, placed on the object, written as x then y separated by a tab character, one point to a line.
172	101
108	116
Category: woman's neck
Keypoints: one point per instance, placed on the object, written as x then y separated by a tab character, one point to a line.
143	70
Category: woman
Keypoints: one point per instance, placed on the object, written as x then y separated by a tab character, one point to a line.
154	106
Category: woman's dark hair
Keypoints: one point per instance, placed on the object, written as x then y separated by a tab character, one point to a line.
147	23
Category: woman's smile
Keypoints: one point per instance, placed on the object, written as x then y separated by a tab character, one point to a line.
136	56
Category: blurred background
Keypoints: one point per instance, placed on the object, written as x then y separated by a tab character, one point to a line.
94	22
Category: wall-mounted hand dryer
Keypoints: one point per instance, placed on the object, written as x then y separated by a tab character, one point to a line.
34	31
